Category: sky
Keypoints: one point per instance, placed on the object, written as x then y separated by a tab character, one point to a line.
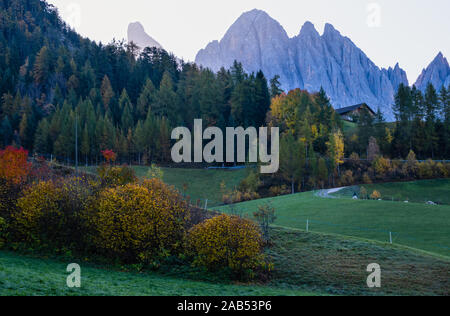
410	32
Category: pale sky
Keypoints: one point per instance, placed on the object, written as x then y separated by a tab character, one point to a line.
410	32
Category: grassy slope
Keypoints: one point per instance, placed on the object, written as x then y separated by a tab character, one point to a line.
304	263
337	265
437	191
202	183
29	276
416	225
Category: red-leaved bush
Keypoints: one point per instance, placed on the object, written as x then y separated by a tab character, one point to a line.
14	165
109	155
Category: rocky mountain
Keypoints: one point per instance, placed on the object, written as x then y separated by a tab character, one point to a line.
438	73
137	35
307	61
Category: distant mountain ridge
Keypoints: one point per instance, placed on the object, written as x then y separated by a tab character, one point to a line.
307	61
437	73
137	35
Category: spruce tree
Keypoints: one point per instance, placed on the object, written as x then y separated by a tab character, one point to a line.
275	86
431	106
6	132
42	138
262	100
166	104
146	98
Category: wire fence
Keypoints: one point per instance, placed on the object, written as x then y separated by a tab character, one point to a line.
382	235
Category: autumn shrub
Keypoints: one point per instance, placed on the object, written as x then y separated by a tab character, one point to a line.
366	178
382	167
227	242
444	170
14	165
347	178
375	195
239	196
50	214
3	231
279	190
363	193
112	176
9	193
140	223
426	169
251	183
265	216
411	166
154	172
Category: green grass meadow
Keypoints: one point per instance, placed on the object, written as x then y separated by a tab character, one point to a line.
305	264
416	225
437	191
22	275
202	184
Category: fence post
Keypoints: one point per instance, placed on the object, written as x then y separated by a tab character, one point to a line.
206	205
390	238
307	225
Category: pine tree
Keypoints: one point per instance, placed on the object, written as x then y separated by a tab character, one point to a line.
127	121
365	129
42	138
403	109
6	132
42	66
166	104
140	140
291	164
431	106
146	98
85	143
262	100
106	92
445	110
275	86
164	140
336	150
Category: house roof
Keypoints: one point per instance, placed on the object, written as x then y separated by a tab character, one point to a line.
348	109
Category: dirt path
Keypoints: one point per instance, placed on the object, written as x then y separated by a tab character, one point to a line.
326	193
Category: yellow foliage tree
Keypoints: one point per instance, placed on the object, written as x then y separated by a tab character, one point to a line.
227	242
50	213
140	222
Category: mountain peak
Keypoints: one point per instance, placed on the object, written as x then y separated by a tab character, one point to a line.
330	30
137	35
437	73
308	29
254	15
440	59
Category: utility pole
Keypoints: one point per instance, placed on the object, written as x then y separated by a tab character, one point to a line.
76	144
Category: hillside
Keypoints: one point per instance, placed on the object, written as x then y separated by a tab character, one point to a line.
423	191
416	225
305	264
21	275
